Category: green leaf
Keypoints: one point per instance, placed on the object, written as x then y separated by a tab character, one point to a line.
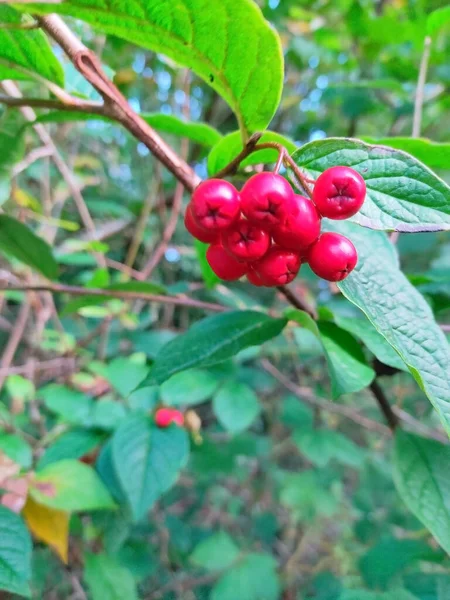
208	275
236	406
375	342
227	43
71	486
434	155
16	448
402	193
346	363
254	578
216	553
438	19
73	444
71	405
189	388
391	556
365	595
19	241
29	49
107	414
320	446
421	477
199	133
147	460
306	496
107	578
15	554
398	311
211	341
125	375
347	366
230	145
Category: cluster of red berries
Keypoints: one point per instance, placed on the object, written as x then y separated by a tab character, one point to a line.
164	417
266	231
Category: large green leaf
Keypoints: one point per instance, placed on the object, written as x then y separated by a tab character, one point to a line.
108	579
421	477
230	145
216	553
434	155
236	406
20	242
402	193
71	405
211	341
226	42
15	554
189	387
71	486
147	460
253	578
398	311
438	19
200	133
347	366
29	49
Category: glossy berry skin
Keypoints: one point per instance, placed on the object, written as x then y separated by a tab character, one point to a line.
254	278
246	241
332	257
278	266
267	199
215	204
224	266
301	228
339	193
199	233
164	417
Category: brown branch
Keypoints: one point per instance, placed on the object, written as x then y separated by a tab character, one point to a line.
120	295
74	104
116	106
391	418
296	301
14	341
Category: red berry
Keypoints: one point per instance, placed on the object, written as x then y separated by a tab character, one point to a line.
267	199
164	417
301	228
215	204
332	257
278	266
246	241
198	232
224	266
339	193
254	278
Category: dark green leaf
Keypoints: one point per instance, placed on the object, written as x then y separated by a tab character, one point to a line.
15	554
241	59
29	50
211	341
236	406
398	311
421	477
71	405
108	579
147	460
73	444
402	193
20	242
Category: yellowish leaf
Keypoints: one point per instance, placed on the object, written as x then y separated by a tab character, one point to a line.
48	525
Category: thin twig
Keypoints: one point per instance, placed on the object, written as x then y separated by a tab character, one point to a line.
383	403
421	81
140	227
120	295
74	105
14	341
232	167
296	301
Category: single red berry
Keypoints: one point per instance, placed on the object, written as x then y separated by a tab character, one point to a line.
246	241
339	193
199	233
224	266
332	257
215	204
301	228
278	266
267	199
164	417
254	278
